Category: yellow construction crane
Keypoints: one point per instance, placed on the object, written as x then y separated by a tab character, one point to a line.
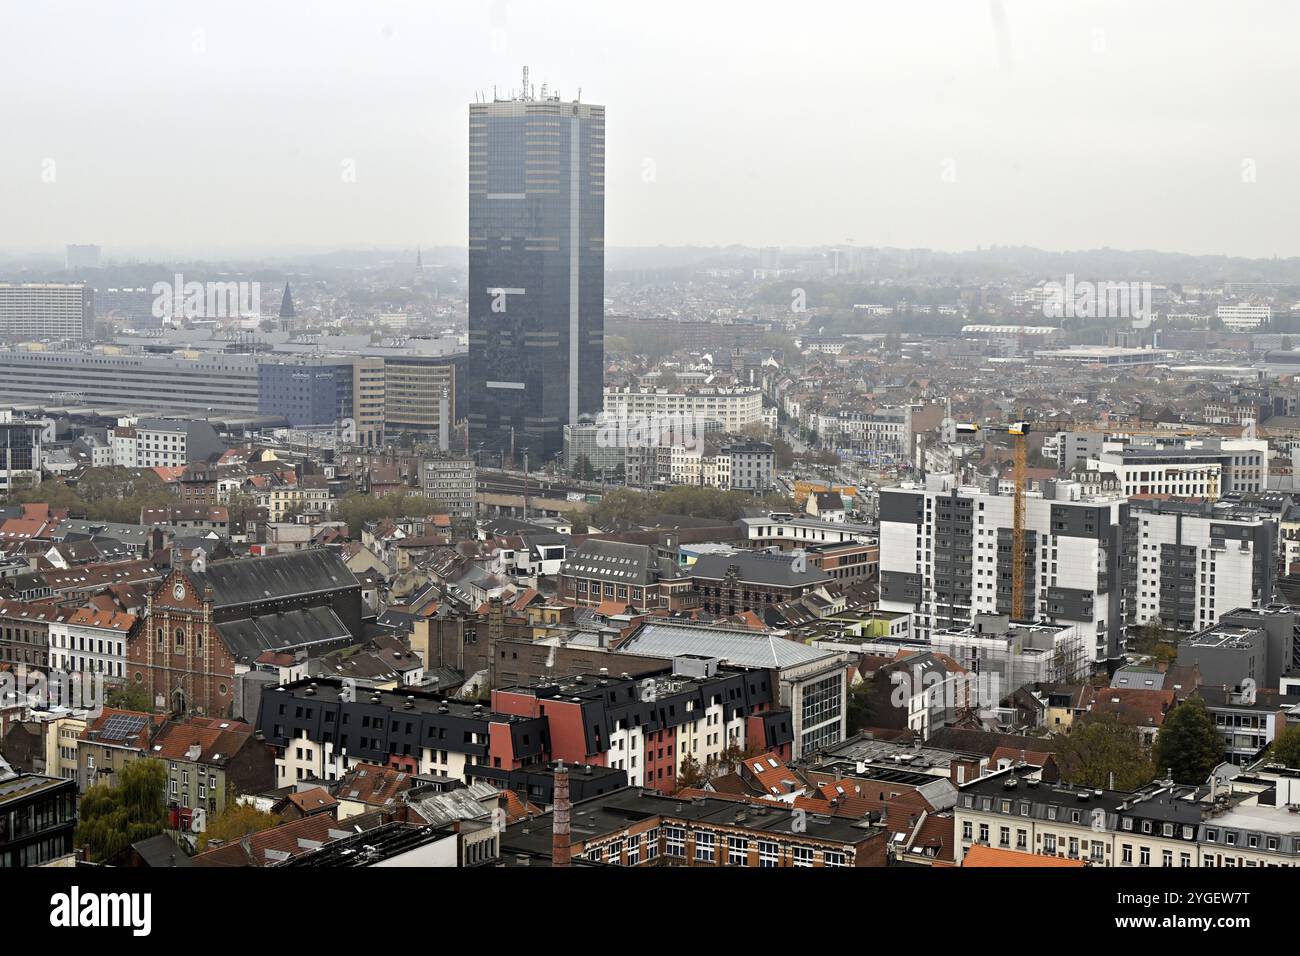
1020	478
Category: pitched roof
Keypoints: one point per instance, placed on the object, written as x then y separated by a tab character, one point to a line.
217	740
312	800
250	580
374	785
269	847
250	637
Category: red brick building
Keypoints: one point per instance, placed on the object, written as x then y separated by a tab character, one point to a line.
201	629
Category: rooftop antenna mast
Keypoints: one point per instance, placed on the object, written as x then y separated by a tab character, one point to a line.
524	95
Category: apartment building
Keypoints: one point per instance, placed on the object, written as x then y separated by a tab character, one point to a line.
319	728
649	725
452	481
945	556
750	466
210	761
1186	563
734	408
1162	825
174	444
90	641
811	683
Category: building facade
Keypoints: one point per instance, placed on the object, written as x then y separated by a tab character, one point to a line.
536	270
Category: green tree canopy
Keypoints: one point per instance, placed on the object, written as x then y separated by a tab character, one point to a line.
1101	746
102	494
1286	747
1189	746
111	818
235	821
358	509
130	697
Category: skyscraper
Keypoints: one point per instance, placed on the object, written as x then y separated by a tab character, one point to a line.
536	270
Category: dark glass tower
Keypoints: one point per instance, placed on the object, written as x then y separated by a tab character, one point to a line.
536	271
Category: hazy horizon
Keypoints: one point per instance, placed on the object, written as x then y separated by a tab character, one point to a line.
946	126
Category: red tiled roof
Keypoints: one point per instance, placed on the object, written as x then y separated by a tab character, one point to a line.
217	739
986	856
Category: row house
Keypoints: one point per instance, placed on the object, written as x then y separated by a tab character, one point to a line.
648	725
320	728
1164	824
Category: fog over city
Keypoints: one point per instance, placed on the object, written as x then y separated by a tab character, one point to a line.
208	128
470	436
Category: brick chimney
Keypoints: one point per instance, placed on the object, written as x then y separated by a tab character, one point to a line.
560	847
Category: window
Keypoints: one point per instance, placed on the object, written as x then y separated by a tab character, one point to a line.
675	841
769	854
737	851
803	856
704	847
834	858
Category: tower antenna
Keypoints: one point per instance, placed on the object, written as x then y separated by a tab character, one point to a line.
525	95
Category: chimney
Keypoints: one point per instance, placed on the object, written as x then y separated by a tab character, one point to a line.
560	848
496	629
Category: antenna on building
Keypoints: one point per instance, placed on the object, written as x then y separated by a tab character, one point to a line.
524	95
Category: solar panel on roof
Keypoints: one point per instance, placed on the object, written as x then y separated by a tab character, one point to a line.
121	726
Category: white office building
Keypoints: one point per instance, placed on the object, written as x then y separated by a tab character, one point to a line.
1243	318
1186	467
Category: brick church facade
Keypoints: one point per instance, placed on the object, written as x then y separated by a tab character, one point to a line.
203	628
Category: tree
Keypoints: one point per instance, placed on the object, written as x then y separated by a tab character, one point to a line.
235	821
1156	640
1189	745
578	521
1286	747
623	509
690	773
102	494
1098	747
859	706
111	818
357	509
130	697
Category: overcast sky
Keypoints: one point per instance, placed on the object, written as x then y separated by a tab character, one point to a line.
182	127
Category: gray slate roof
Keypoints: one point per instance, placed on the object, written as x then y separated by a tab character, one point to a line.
758	568
250	580
250	637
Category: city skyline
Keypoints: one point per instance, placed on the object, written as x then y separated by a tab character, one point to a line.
962	131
